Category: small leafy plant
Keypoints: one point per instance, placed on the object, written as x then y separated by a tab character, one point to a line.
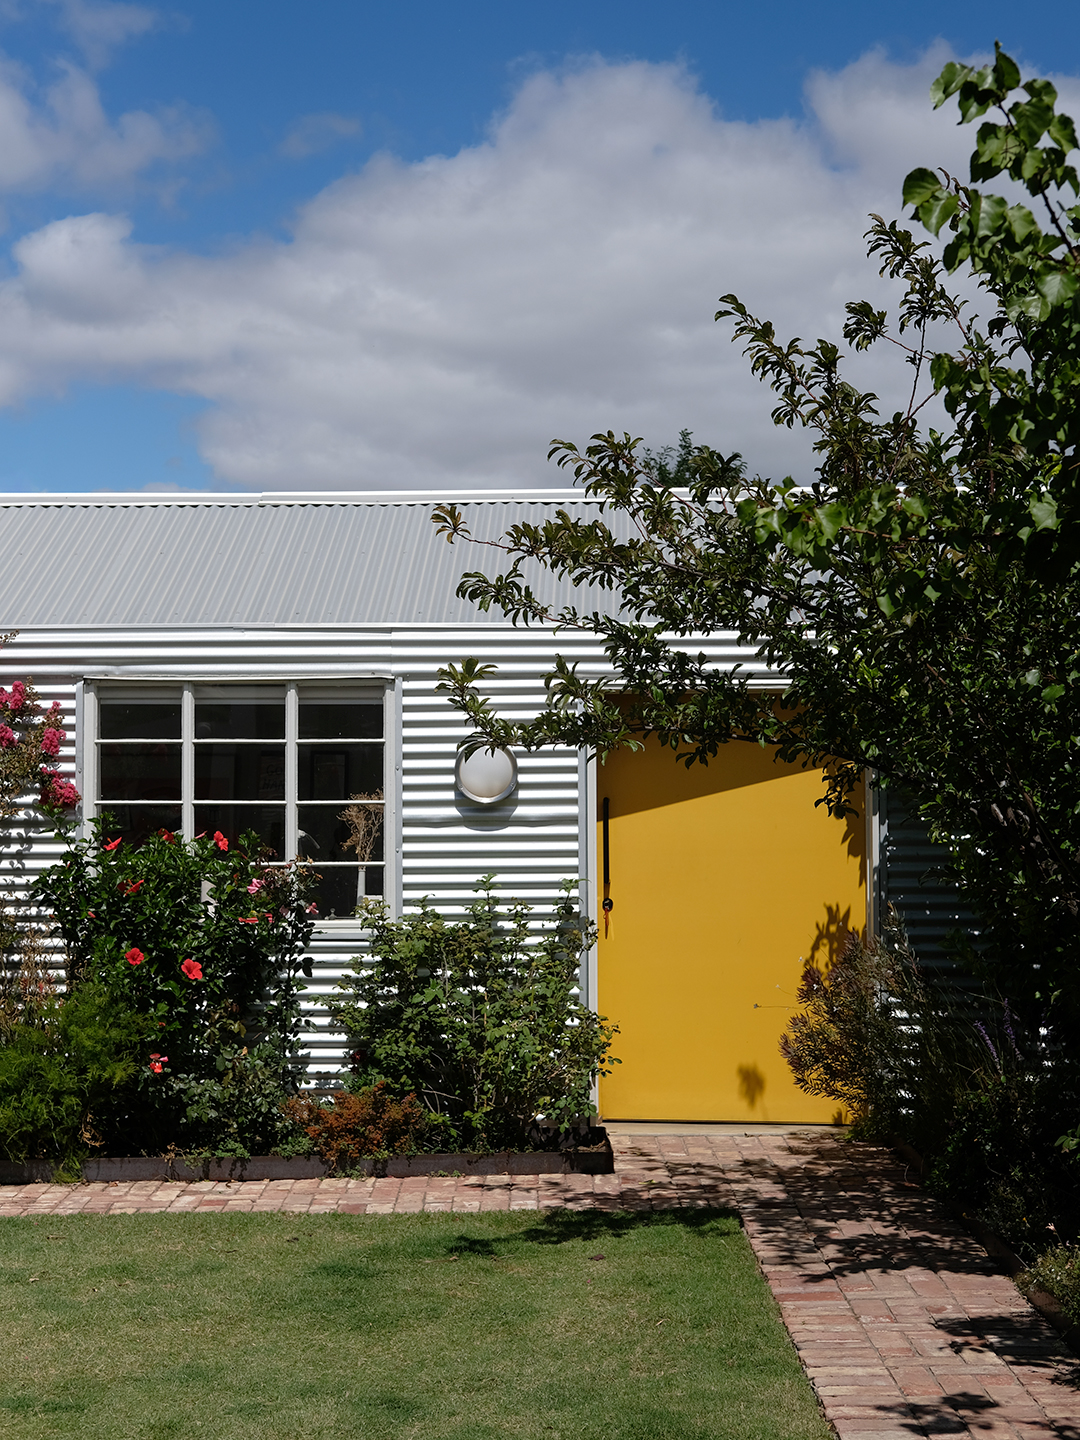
479	1018
350	1126
1057	1271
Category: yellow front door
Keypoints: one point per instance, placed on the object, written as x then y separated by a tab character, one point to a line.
722	879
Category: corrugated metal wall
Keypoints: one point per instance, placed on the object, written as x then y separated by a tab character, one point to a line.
914	877
532	844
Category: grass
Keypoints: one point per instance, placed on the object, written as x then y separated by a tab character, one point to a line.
568	1326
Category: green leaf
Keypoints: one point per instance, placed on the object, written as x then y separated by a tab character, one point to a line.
1006	70
1063	133
947	84
1044	512
919	186
1021	221
1057	285
991	215
934	213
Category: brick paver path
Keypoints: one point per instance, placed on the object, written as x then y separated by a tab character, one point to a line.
904	1325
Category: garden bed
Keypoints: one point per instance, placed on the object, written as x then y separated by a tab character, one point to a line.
585	1160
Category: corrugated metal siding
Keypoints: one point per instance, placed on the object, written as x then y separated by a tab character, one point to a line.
914	877
531	844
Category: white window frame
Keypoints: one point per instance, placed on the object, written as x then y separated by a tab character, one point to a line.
92	688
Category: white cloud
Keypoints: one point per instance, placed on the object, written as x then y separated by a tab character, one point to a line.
62	136
434	324
313	133
98	29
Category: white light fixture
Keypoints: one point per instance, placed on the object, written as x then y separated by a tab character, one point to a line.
486	777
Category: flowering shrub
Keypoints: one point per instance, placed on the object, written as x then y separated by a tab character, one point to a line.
166	930
479	1018
30	741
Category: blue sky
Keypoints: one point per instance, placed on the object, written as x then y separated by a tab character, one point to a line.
232	262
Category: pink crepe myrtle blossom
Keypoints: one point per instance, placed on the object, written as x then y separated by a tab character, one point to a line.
134	956
58	793
192	969
50	741
7	737
14	701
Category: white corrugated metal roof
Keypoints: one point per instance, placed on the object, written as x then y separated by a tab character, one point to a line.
290	558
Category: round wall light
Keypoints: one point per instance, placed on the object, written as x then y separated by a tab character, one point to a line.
486	776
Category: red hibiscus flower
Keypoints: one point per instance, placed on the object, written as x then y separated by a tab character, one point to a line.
220	841
192	969
113	843
155	1065
136	886
134	956
249	919
313	909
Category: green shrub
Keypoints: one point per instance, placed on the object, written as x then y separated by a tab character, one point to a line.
351	1126
205	943
479	1018
876	1034
996	1156
950	1071
1057	1271
67	1075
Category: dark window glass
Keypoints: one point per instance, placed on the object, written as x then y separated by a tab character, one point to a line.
141	721
320	721
325	835
262	720
239	772
341	888
337	772
140	772
267	821
136	823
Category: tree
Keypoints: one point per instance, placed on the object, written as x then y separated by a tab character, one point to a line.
921	597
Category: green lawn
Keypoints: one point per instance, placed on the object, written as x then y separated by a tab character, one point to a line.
342	1327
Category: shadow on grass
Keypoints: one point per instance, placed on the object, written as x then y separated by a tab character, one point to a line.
559	1227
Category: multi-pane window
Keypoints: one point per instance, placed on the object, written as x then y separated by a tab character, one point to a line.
301	765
